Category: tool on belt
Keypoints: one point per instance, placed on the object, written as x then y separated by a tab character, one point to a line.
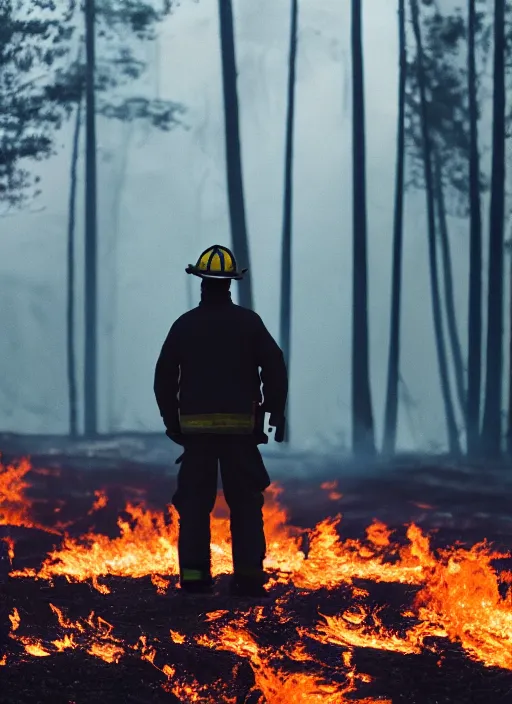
278	422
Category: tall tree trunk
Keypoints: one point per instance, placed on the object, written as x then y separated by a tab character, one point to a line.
475	257
491	424
453	440
446	258
391	413
91	313
109	357
286	254
233	150
363	440
509	419
70	293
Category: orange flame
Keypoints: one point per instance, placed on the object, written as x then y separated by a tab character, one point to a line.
459	597
277	685
16	508
331	488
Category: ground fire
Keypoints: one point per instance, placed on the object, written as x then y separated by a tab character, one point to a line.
344	613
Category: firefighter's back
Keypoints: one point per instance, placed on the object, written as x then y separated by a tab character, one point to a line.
218	359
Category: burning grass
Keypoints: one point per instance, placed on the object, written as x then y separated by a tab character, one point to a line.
343	613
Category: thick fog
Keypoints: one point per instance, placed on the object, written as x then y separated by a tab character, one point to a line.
162	199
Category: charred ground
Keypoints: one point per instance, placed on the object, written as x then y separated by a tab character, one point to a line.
143	646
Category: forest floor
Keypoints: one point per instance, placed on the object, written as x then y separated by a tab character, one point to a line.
399	601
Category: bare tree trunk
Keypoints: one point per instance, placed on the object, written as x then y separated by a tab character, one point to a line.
70	303
475	257
113	276
363	440
91	301
491	424
233	150
391	413
509	419
453	439
446	257
286	254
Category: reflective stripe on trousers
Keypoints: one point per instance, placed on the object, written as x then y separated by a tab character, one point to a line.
193	575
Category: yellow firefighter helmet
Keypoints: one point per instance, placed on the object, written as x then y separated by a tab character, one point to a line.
216	262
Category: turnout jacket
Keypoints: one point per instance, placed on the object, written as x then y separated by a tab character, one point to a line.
217	365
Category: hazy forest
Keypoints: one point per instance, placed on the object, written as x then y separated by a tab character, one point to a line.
354	155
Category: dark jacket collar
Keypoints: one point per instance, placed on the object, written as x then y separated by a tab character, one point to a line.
215	298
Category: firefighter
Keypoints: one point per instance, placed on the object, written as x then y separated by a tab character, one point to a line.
219	371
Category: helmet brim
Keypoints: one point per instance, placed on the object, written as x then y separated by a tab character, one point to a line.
235	275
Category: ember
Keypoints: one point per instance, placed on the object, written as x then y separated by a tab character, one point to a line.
347	617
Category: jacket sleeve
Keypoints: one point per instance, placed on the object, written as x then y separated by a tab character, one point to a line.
166	385
274	375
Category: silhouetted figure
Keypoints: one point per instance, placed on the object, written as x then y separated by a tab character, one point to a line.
214	365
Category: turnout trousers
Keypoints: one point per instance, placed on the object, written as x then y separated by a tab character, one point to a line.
244	479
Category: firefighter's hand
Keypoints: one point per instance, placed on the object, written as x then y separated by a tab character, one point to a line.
176	437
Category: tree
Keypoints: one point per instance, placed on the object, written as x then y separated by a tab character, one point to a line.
70	288
233	151
119	25
447	268
363	441
508	66
445	84
491	423
91	256
391	412
453	440
458	183
286	255
34	99
475	257
509	417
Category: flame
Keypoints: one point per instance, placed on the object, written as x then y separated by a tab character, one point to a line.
100	502
34	647
10	547
160	583
425	507
460	600
15	508
14	618
331	487
278	685
64	643
93	634
359	627
147	546
214	615
460	596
